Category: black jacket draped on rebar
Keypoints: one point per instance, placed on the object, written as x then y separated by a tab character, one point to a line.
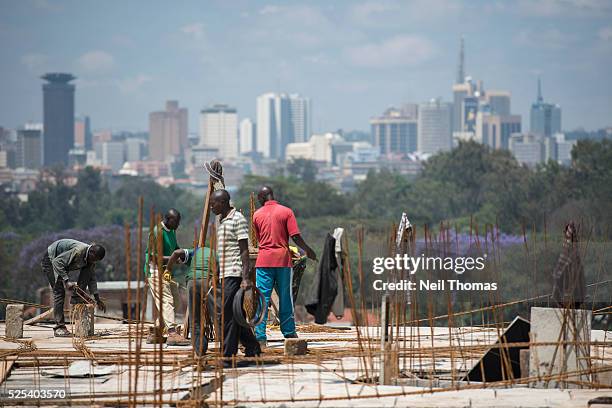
325	285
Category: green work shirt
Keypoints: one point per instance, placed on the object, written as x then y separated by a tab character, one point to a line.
198	262
168	242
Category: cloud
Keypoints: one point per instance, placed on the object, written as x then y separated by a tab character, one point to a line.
394	13
34	62
605	33
134	84
550	38
571	8
269	9
96	62
194	30
402	50
365	13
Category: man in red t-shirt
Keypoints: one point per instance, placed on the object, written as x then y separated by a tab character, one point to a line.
274	224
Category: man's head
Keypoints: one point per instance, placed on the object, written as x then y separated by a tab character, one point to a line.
172	219
96	253
220	202
571	232
265	194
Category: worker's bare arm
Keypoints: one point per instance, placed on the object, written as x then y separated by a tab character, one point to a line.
299	241
243	244
178	256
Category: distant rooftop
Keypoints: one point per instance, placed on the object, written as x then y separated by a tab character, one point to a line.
58	77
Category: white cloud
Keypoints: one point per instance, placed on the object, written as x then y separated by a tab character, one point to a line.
96	62
605	33
572	8
269	9
34	62
402	50
365	13
134	84
550	38
195	30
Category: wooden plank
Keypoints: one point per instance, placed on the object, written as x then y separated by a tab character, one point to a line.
5	367
40	317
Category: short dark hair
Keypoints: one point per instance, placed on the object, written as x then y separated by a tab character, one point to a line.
172	212
222	194
98	251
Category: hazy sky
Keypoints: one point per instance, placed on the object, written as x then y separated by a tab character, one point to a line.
352	58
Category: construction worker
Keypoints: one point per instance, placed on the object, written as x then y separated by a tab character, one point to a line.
59	259
167	302
197	261
274	224
233	252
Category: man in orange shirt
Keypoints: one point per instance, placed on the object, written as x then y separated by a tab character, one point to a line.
274	224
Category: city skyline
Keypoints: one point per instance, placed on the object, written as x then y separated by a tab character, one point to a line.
353	60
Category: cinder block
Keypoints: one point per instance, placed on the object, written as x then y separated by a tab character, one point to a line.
295	347
14	321
84	321
569	331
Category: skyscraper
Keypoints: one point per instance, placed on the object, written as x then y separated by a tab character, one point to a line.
499	102
395	132
29	148
248	136
219	128
545	118
168	132
82	133
495	130
434	127
113	155
300	117
58	114
281	119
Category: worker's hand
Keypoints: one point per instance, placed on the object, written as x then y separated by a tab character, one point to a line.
246	284
311	254
100	304
69	285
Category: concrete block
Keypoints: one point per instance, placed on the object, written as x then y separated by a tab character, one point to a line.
524	361
389	364
295	347
570	331
14	321
84	320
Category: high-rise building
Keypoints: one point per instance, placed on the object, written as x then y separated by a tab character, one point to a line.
495	130
545	118
134	149
300	117
113	155
499	102
395	131
248	136
219	128
281	119
528	149
168	132
29	148
82	133
460	92
434	127
58	114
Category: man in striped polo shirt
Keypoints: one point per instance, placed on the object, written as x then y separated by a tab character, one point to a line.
233	252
